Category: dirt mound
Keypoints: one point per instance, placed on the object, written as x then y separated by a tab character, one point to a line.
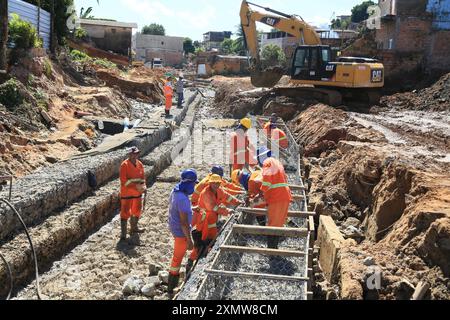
394	211
434	98
37	122
141	84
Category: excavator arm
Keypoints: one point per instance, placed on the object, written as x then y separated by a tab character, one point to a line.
293	25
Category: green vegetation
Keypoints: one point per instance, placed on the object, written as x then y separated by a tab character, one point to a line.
188	46
48	69
154	29
273	55
23	34
105	63
359	12
10	95
80	33
79	56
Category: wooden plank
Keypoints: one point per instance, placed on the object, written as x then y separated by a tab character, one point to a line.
291	214
271	231
295	187
255	275
264	251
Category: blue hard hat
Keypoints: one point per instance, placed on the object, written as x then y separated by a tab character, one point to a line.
189	175
263	154
218	170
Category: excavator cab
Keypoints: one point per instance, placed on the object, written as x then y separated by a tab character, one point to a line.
312	63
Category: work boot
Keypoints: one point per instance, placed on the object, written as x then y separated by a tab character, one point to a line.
173	283
134	226
189	266
123	230
272	242
167	114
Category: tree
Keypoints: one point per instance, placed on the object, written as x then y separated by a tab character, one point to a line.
154	29
197	44
86	14
3	33
273	55
359	12
227	46
188	46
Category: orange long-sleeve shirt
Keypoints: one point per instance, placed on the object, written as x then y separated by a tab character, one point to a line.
274	184
129	171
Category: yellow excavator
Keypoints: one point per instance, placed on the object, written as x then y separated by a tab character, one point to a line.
313	70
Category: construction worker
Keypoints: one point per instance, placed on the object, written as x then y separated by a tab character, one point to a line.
180	91
252	183
228	188
132	187
213	202
277	138
241	150
168	94
277	193
180	219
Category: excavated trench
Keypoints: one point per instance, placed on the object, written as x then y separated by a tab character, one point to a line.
60	208
249	275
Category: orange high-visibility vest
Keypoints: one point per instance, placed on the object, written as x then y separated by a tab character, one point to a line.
241	151
168	90
274	184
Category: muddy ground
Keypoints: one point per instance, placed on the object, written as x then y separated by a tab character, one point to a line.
382	173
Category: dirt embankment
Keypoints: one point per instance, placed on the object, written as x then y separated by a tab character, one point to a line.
39	127
395	205
433	98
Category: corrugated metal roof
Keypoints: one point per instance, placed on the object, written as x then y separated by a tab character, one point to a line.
107	23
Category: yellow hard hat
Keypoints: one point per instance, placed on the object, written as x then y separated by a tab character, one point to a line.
247	123
215	178
235	175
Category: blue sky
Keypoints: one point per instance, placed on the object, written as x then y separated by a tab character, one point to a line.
192	18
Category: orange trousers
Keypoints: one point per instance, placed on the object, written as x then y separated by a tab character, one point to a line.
169	102
277	214
130	208
178	254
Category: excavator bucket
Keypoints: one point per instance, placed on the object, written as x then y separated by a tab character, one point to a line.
267	78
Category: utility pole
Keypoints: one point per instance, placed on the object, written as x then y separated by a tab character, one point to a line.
3	34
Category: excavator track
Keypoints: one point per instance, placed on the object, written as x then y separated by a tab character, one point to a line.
331	97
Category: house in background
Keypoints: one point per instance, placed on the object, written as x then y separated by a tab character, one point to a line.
212	40
283	40
149	47
110	35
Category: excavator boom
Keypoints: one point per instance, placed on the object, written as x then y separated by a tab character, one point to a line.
293	25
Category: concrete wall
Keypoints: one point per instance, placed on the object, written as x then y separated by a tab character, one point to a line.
288	44
170	49
115	39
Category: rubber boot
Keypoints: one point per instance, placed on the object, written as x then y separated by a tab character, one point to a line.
167	114
123	230
173	283
189	266
134	226
272	242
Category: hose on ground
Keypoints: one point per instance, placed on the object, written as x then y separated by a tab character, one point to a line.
38	290
11	281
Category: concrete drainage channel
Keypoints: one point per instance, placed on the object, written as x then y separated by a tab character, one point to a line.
61	209
240	267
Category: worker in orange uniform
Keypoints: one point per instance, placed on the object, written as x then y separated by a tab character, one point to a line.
277	193
241	150
229	188
252	183
277	138
132	187
180	220
168	94
213	202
